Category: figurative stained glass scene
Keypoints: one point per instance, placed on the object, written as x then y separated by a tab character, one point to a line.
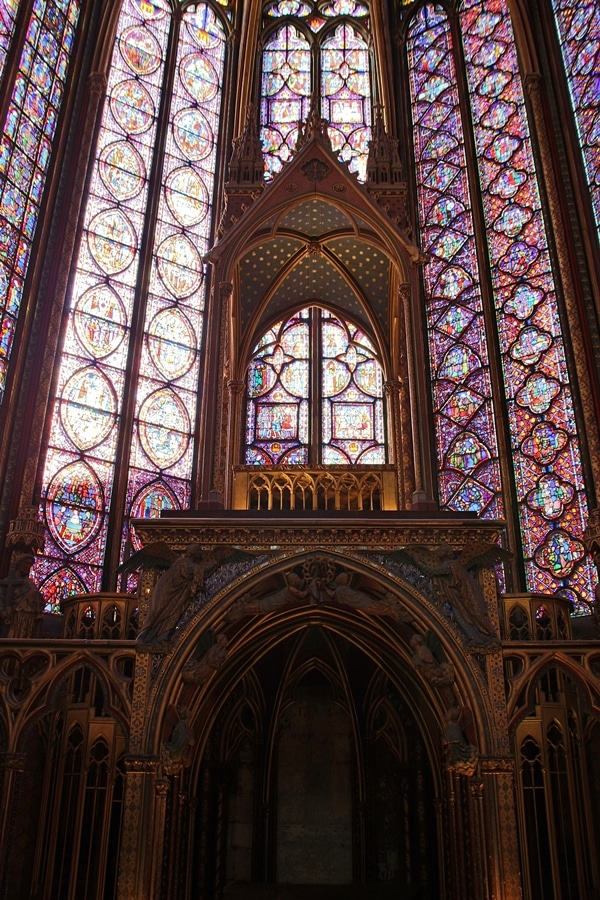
547	468
315	41
287	393
94	398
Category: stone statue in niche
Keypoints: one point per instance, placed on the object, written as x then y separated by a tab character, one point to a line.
458	588
198	671
436	673
174	591
21	603
461	757
176	751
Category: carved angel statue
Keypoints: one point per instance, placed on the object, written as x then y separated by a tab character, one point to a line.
461	757
176	751
198	671
21	603
340	591
174	591
458	587
435	672
252	605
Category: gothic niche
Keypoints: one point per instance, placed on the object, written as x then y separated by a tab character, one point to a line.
315	776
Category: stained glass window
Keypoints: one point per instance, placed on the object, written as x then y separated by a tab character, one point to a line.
323	50
286	90
126	343
579	31
469	476
310	407
26	144
546	460
546	457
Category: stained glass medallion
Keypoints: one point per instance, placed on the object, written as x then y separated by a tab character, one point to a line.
96	385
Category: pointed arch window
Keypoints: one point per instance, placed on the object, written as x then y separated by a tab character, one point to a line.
314	394
318	54
522	321
121	433
26	142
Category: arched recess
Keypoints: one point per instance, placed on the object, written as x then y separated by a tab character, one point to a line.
314	721
555	736
67	783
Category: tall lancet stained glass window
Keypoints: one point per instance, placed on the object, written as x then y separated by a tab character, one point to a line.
121	438
578	27
546	472
316	52
26	142
314	394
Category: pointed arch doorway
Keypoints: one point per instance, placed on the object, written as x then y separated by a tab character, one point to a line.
316	778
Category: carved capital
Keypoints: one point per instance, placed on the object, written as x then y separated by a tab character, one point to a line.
97	84
235	387
225	289
13	762
497	765
141	765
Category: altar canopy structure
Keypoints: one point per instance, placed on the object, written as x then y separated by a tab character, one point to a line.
299	449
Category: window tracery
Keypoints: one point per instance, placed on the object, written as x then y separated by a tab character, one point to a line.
319	53
314	394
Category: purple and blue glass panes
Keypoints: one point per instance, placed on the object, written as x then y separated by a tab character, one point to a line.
285	95
579	34
8	15
167	388
80	462
467	448
548	470
346	95
26	144
278	395
352	422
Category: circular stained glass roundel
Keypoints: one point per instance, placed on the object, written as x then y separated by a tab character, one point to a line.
193	135
199	77
99	320
88	408
187	196
122	170
112	241
164	427
140	50
179	265
172	343
132	107
74	505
